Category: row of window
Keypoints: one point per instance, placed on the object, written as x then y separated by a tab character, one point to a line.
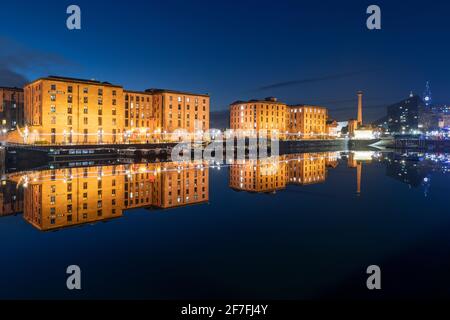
85	90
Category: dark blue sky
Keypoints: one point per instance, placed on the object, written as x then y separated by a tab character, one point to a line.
233	49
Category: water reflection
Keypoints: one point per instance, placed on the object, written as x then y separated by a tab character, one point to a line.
60	198
272	174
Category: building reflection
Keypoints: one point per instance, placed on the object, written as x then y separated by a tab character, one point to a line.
54	199
11	199
416	169
356	160
66	197
275	173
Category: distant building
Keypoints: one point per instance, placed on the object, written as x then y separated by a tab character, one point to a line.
333	128
427	96
278	119
11	108
250	117
307	122
410	116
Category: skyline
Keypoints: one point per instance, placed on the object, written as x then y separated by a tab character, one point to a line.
224	50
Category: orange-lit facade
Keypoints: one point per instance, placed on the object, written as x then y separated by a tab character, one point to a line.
62	198
183	115
253	116
280	120
307	122
70	111
141	118
62	110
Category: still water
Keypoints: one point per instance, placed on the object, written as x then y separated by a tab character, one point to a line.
299	226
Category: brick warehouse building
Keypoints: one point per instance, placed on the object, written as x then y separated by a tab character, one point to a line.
278	119
60	110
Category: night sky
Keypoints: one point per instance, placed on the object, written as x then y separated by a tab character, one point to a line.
317	52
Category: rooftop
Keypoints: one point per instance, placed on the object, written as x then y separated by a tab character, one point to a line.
78	80
266	100
11	88
300	105
156	90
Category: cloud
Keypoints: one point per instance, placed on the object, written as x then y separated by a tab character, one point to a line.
310	80
16	61
10	78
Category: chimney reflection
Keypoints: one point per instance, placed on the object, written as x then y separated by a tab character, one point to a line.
355	160
60	198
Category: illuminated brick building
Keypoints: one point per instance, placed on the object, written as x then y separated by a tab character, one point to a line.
11	108
280	120
307	122
62	110
250	117
182	114
54	199
142	119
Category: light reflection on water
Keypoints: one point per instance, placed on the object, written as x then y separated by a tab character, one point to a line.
297	214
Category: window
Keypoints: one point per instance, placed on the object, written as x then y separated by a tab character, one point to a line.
100	92
85	99
85	121
85	90
70	89
53	97
69	120
53	87
85	110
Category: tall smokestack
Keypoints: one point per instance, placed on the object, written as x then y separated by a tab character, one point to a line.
360	117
